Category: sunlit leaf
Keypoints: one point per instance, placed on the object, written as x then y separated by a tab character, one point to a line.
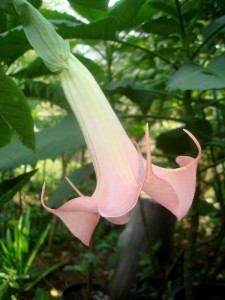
15	110
91	10
97	4
193	77
124	11
51	142
103	29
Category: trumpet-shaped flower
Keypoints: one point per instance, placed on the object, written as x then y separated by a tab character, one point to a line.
121	171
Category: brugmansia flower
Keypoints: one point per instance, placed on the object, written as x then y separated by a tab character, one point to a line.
121	172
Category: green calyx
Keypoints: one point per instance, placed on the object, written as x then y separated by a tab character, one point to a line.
42	36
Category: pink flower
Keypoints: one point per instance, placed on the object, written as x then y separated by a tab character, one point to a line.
121	172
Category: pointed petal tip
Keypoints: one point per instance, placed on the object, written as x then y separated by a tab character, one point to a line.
194	139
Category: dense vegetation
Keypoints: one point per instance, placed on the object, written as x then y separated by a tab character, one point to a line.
157	61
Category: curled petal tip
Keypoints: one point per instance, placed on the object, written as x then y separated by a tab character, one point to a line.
195	141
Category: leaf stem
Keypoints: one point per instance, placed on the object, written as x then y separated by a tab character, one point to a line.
152	53
206	41
182	30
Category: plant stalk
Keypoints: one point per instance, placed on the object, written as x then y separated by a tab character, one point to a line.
190	248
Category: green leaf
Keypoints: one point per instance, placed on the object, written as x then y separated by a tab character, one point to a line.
15	110
8	51
3	290
177	142
97	4
51	142
8	7
8	188
47	92
142	96
174	142
217	67
5	133
193	77
42	36
145	13
3	21
161	26
125	11
35	69
103	29
90	10
54	16
216	27
164	6
64	190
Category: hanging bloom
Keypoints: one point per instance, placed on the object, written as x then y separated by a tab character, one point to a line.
121	171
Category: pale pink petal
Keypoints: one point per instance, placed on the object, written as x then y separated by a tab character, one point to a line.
173	188
119	168
117	193
79	215
120	220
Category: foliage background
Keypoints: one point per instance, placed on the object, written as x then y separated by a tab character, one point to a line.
160	62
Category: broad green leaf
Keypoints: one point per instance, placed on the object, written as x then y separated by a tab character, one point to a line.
15	110
161	26
54	15
193	77
217	67
174	142
8	188
215	27
5	132
42	36
8	7
64	189
124	11
35	69
177	142
97	4
48	92
142	96
145	13
8	51
103	29
90	10
3	21
164	6
51	142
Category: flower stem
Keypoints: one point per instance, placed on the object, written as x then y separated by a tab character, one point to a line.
190	247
